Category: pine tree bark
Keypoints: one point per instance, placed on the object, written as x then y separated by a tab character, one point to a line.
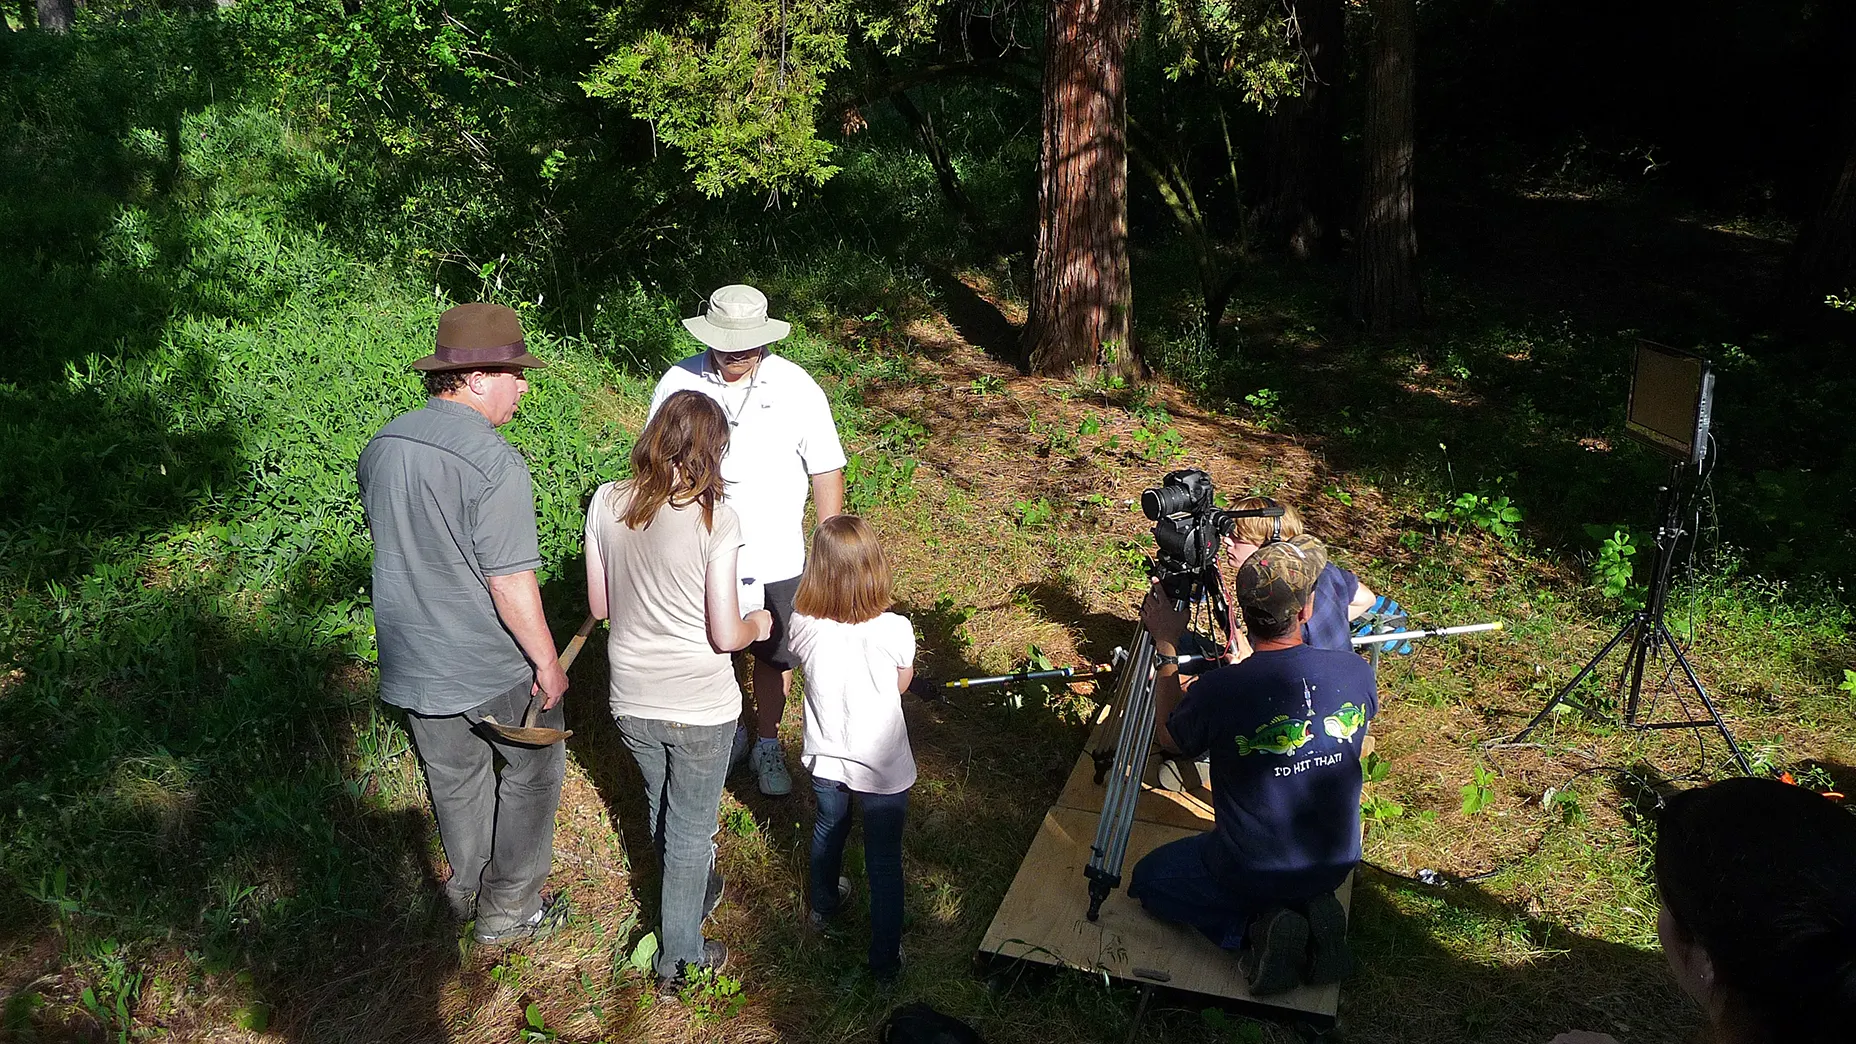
1300	209
1081	296
1386	292
57	15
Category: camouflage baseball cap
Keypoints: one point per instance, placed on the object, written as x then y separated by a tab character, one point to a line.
1275	582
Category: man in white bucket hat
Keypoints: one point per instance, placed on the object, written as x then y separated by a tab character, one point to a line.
782	445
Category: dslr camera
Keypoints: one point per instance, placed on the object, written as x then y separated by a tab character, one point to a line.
1188	525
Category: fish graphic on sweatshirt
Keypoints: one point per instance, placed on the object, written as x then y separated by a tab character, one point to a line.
1283	735
1343	723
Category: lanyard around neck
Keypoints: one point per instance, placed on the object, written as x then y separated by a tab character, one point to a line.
734	416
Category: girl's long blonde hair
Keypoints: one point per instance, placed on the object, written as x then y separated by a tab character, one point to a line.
847	577
677	460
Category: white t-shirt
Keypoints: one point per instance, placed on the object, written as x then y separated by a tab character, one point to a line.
663	666
855	734
780	435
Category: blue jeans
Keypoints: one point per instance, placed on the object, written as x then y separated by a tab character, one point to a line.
884	815
684	767
1194	881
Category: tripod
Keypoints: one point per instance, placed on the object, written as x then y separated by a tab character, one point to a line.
1134	694
1648	635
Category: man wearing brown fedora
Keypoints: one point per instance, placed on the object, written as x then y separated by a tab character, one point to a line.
782	445
458	617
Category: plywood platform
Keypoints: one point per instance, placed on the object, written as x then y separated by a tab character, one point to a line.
1044	915
1044	919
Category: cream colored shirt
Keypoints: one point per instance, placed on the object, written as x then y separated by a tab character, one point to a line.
663	666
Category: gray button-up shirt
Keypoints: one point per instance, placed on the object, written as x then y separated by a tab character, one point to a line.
450	504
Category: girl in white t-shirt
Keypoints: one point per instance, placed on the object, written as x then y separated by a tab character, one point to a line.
858	659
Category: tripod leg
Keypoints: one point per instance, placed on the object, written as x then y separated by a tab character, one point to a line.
1714	713
1124	778
1590	666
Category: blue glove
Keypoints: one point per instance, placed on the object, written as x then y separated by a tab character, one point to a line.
1385	617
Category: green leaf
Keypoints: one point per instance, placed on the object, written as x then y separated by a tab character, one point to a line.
254	1017
644	953
533	1015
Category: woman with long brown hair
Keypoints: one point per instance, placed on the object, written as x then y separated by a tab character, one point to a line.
660	561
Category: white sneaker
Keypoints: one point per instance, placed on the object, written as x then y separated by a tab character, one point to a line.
769	761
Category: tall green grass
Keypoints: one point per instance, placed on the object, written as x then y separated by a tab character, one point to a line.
187	750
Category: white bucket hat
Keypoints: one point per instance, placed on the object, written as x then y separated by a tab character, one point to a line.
736	320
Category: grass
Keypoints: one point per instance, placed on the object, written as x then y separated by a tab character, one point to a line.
209	826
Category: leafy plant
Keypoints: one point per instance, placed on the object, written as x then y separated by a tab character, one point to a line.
1033	513
878	477
1091	425
986	384
710	995
1849	682
1265	407
1375	768
509	972
535	1029
1158	446
1497	516
644	954
111	1000
902	434
1479	791
1566	800
739	820
1615	568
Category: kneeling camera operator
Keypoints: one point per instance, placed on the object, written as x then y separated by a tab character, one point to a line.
1282	728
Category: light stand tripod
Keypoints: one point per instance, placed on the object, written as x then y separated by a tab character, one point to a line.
1648	634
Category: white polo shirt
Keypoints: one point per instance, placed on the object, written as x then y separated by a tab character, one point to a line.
780	435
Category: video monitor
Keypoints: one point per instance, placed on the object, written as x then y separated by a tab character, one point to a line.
1671	395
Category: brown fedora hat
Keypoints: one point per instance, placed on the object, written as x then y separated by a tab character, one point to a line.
472	336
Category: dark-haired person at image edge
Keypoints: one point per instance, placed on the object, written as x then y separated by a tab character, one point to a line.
458	619
1283	728
1758	918
782	445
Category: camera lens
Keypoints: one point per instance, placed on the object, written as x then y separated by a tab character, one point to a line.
1151	500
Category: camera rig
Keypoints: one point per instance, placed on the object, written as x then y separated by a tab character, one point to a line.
1188	530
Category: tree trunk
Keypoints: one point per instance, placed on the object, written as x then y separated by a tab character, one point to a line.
1081	297
1301	206
1386	292
1823	258
57	15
